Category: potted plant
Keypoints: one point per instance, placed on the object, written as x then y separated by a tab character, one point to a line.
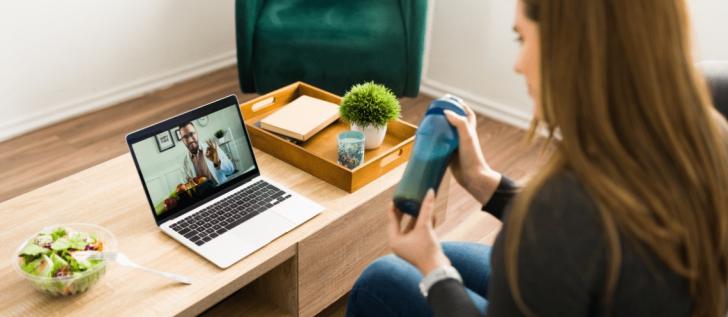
220	135
368	107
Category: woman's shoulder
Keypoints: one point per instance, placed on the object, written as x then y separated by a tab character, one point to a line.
564	199
564	179
564	219
561	251
562	216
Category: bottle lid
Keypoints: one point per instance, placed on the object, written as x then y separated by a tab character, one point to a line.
457	99
448	102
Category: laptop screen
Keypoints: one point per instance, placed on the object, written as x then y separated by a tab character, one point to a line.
192	158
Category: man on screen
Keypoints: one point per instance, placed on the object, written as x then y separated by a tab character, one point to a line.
205	159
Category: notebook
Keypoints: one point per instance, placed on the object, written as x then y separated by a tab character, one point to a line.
302	118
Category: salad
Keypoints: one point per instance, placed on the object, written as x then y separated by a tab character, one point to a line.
57	260
180	193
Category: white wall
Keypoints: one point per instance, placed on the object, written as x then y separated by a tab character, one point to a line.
472	51
62	58
710	25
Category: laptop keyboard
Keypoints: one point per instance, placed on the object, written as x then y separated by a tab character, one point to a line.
230	212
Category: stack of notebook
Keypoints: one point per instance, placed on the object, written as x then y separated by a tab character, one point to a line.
302	118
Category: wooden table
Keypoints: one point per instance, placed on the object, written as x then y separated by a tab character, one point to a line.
298	274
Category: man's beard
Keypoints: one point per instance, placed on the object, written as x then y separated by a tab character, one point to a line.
194	148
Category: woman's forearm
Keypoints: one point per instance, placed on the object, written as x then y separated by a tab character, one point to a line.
483	184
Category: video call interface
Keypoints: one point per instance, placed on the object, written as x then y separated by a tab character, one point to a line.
189	162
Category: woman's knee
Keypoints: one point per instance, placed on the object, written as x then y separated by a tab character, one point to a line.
383	287
388	271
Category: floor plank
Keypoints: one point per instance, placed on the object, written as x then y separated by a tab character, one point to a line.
51	153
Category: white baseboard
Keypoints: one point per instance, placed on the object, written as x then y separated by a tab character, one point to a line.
109	97
484	106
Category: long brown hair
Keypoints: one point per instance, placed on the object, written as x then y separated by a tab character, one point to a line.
640	133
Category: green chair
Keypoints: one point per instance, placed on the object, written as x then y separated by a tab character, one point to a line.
331	44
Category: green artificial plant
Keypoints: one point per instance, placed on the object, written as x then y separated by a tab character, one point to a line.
369	104
219	134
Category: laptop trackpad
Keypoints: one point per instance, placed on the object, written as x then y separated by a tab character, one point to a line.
263	227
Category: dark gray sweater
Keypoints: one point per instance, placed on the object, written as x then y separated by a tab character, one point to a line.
562	264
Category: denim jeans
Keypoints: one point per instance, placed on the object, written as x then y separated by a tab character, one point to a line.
390	285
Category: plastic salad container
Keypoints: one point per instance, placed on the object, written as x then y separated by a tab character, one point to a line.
52	260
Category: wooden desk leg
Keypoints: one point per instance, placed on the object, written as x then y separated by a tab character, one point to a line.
278	287
330	261
272	294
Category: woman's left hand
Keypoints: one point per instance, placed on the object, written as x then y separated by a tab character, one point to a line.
414	239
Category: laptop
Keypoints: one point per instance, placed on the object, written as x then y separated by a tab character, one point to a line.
204	187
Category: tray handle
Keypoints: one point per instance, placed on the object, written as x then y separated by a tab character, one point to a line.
391	158
265	103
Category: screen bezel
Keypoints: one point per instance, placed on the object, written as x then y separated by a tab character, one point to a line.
150	131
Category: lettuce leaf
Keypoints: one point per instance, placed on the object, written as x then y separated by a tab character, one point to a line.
32	249
78	241
39	267
43	239
60	244
58	233
58	263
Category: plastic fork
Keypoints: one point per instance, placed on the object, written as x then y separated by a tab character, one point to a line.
121	259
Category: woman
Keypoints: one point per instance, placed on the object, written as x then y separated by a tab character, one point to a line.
630	216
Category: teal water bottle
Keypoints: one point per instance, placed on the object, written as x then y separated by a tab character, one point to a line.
435	142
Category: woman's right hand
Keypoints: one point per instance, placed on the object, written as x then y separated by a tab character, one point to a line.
469	166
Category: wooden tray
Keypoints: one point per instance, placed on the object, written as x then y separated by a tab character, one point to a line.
318	155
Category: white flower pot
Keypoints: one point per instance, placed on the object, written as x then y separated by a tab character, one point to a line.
373	136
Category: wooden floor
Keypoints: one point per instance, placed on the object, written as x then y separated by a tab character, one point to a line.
43	156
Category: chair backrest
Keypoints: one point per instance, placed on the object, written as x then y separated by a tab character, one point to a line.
716	74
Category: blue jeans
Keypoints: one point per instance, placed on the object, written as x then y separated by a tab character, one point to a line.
390	285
